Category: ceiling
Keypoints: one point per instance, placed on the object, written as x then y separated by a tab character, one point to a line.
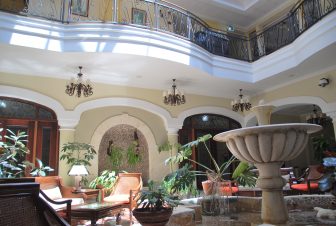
243	14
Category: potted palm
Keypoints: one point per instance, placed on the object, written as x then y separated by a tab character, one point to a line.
215	182
155	206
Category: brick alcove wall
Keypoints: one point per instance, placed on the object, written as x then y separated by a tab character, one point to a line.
122	136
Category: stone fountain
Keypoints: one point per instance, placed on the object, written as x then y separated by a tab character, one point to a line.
268	147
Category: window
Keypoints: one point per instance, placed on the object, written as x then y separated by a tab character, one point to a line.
39	123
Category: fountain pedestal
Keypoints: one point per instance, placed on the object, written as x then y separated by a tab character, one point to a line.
267	147
274	209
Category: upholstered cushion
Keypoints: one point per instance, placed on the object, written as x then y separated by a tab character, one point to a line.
228	190
304	187
53	193
117	198
75	201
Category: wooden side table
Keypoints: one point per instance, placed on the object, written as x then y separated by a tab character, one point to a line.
91	195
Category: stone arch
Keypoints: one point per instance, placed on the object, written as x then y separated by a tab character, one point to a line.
282	103
99	132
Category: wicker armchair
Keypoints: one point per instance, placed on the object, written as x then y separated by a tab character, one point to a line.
21	205
126	191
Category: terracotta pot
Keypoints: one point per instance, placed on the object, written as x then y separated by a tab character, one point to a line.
152	218
208	187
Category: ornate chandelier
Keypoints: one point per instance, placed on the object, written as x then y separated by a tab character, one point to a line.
241	103
173	96
317	117
79	86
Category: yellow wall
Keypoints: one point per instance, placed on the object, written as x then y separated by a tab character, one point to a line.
307	87
92	118
106	90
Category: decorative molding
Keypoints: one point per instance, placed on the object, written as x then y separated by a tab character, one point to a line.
66	119
284	102
210	110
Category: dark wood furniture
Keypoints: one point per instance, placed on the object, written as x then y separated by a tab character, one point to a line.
91	195
95	211
20	205
49	182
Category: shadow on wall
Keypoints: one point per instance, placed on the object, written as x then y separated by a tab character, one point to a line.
121	138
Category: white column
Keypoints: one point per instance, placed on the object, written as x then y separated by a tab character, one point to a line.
66	135
172	134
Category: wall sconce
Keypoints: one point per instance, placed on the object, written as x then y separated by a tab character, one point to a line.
323	82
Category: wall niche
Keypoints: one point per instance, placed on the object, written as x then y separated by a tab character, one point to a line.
123	136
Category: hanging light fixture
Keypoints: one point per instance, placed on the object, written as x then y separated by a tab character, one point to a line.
79	87
173	96
317	117
241	103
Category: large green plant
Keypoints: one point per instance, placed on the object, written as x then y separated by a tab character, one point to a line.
12	154
41	170
76	153
117	155
216	174
105	180
155	198
320	145
181	182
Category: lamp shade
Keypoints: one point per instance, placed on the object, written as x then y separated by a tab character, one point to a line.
78	170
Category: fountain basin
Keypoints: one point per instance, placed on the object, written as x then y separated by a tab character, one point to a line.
267	147
268	143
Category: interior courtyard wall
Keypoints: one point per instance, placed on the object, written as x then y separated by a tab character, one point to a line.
92	119
306	87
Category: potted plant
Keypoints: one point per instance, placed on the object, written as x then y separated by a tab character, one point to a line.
215	175
12	155
180	182
106	181
76	153
41	170
154	206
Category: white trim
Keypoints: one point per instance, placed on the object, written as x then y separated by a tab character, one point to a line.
66	119
327	108
127	102
210	110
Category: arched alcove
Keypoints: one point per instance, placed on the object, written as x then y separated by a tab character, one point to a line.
123	137
155	162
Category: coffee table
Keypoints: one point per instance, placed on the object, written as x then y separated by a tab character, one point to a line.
95	211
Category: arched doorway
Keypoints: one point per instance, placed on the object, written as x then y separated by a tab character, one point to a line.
198	125
38	122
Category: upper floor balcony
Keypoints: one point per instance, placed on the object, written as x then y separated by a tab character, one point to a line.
164	17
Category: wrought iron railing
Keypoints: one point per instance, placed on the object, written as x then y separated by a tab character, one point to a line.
166	17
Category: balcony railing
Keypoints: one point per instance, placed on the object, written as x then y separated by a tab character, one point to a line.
166	17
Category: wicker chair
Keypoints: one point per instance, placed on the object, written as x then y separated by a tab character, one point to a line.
126	191
21	205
